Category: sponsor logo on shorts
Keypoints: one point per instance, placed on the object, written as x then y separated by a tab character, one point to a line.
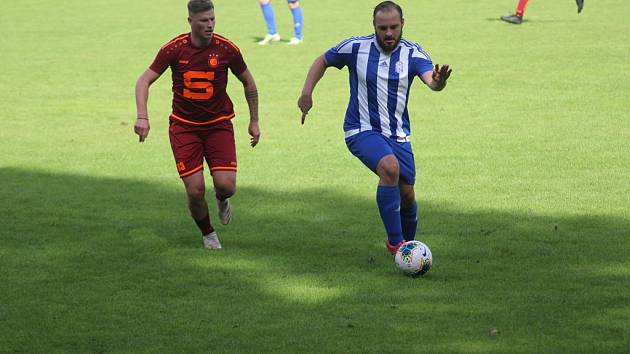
180	166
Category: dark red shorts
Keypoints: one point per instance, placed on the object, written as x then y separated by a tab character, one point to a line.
191	144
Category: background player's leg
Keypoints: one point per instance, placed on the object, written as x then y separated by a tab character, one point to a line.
388	199
580	5
270	20
269	16
517	18
520	8
408	211
298	20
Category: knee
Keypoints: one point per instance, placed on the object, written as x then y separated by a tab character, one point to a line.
388	170
224	183
407	199
224	189
196	194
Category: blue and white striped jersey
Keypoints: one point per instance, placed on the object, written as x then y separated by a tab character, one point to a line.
379	84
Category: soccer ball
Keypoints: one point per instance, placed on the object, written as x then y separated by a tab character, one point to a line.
414	258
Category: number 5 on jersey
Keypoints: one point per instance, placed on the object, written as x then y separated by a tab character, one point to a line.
201	85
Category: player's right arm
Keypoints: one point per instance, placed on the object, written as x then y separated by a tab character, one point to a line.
141	127
315	73
338	57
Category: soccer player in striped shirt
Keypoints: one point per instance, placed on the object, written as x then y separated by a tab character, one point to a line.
382	67
200	126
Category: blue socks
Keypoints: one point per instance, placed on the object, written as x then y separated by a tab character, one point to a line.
270	20
409	221
297	21
269	17
388	201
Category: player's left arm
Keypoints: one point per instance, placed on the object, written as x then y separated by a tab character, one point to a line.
251	95
436	78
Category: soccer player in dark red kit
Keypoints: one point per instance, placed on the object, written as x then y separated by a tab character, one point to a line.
517	18
200	126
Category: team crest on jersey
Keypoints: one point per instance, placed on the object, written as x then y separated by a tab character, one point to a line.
213	61
400	67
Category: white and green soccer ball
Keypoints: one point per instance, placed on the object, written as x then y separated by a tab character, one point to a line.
414	258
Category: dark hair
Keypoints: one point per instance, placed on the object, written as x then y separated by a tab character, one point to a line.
197	6
387	5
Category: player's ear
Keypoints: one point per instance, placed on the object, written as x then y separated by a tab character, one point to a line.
402	22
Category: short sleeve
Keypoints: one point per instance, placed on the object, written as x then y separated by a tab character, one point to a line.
162	60
340	55
420	60
237	64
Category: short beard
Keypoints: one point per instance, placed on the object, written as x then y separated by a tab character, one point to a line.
382	45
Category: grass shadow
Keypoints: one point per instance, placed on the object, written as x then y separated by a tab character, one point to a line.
256	39
100	264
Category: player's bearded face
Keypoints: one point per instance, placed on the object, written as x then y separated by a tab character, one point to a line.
202	24
388	29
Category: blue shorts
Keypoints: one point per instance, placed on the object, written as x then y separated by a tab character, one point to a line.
371	146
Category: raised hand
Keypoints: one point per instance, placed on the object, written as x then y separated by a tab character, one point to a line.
440	75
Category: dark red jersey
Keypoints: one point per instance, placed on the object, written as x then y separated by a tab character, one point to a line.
200	77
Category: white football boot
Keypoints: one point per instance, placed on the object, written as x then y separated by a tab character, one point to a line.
211	241
294	41
270	38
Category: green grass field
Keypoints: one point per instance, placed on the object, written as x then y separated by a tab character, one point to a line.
523	184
